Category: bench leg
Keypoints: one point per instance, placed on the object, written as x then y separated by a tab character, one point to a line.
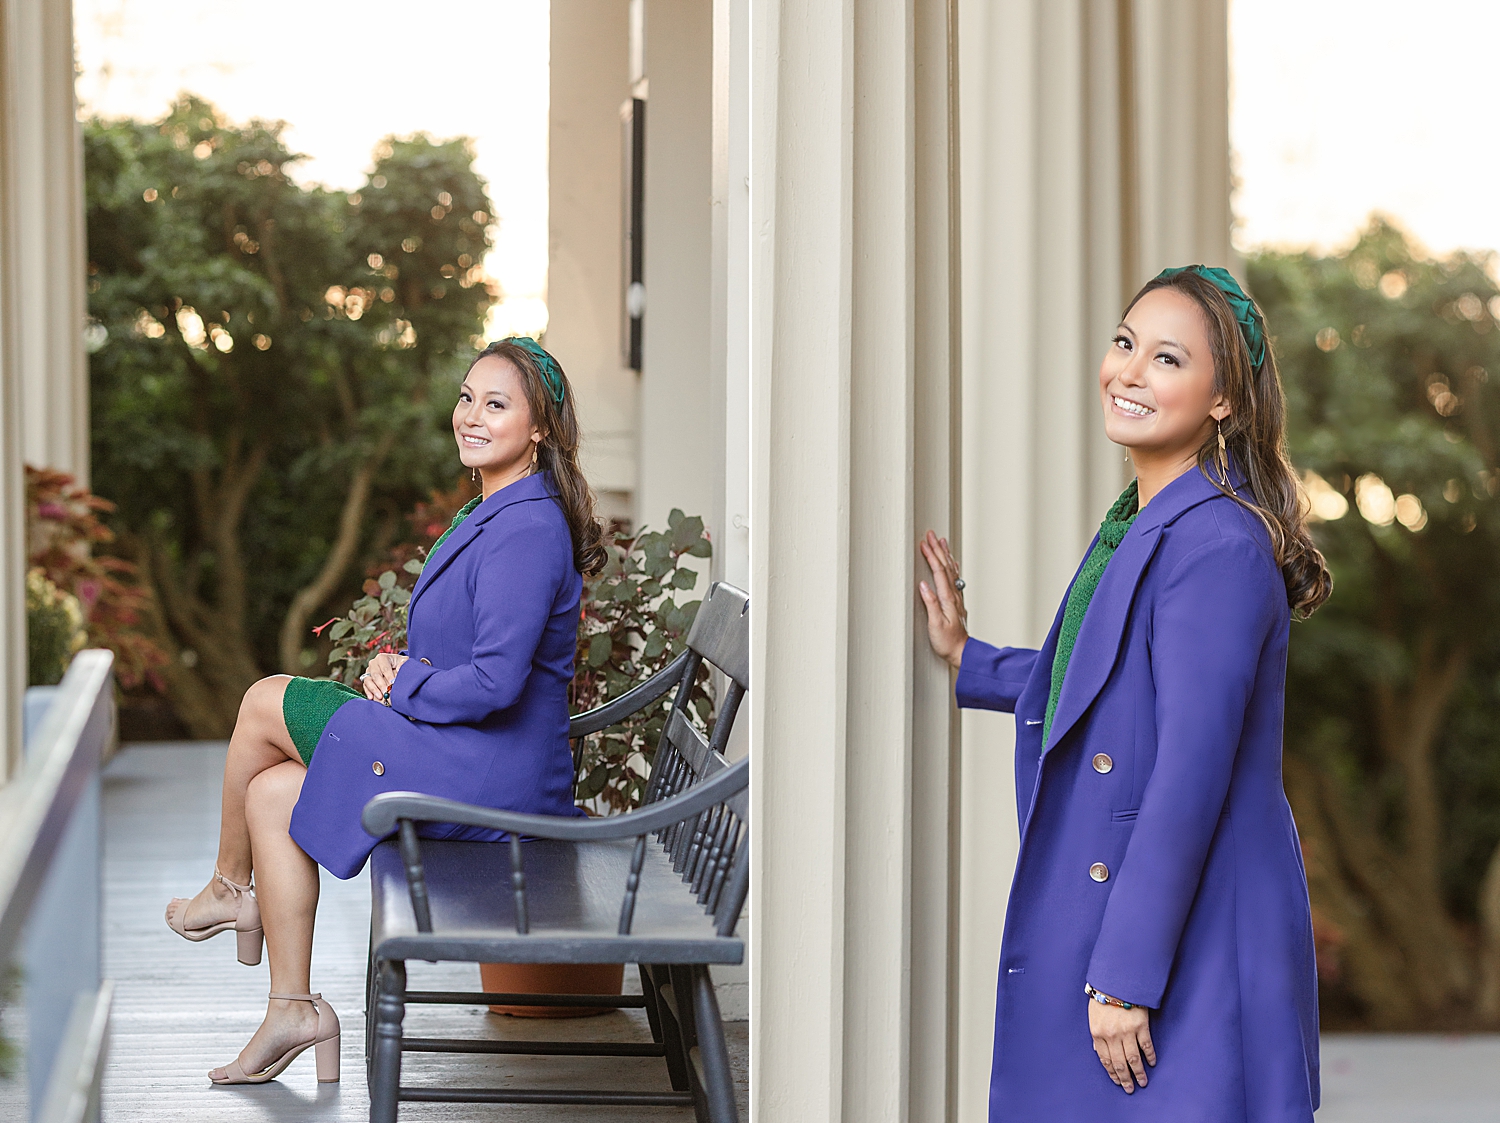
390	1009
665	1027
713	1052
370	1015
687	1024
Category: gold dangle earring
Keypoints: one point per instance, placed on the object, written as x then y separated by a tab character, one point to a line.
474	475
1223	457
535	448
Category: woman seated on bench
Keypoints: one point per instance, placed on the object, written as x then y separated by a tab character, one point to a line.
477	711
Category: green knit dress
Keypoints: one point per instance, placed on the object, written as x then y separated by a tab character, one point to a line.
309	703
1111	534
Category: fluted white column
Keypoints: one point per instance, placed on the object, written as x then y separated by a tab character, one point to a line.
43	379
853	442
43	192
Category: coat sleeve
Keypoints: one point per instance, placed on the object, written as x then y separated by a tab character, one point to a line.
515	586
992	678
1210	624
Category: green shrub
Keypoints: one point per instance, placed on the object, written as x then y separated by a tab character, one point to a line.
55	629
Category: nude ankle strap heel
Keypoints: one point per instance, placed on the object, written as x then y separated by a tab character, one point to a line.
246	924
325	1047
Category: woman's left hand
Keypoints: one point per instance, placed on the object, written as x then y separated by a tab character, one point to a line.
1122	1038
380	676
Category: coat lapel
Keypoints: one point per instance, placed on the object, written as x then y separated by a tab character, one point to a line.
531	487
1098	642
1098	645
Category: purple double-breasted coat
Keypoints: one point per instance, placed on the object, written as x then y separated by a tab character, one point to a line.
479	712
1163	771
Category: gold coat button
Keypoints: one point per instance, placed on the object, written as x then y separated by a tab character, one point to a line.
1099	871
1102	763
379	770
427	661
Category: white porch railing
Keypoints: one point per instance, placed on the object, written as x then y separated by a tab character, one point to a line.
49	889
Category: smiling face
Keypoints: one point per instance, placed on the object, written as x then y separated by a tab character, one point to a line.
1156	383
492	422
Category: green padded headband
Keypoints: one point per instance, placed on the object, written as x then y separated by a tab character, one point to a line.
1252	326
551	374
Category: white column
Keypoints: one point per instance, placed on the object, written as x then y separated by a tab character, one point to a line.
1095	152
44	189
730	341
1181	88
936	755
851	366
590	55
43	379
681	408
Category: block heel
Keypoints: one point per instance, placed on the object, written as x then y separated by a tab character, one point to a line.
327	1052
249	943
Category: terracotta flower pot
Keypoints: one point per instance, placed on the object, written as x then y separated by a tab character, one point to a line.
552	978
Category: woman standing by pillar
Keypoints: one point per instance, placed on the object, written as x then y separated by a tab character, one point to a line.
1157	961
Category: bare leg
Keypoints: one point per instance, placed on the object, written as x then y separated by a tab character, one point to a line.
286	882
260	741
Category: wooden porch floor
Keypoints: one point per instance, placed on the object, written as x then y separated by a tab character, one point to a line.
181	1009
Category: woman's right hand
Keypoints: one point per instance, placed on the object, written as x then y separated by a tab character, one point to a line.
947	620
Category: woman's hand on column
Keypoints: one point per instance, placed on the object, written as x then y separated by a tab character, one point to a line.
380	676
947	620
1122	1038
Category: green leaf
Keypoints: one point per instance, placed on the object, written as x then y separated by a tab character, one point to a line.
413	566
685	579
387	579
600	647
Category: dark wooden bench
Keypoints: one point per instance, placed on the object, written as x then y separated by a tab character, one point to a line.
662	887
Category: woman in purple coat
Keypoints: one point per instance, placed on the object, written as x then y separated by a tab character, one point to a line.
1157	961
475	710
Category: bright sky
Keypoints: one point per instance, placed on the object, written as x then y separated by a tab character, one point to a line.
1342	107
343	76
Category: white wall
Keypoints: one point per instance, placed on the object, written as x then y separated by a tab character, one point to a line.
681	432
589	81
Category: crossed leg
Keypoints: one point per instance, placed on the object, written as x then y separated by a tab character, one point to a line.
263	776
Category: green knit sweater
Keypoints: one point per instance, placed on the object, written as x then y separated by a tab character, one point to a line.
1111	534
463	513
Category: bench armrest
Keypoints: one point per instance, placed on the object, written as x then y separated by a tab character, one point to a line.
633	700
382	813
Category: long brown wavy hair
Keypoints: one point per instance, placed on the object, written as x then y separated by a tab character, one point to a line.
558	453
1255	433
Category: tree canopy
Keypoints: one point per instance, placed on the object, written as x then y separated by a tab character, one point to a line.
1393	762
272	370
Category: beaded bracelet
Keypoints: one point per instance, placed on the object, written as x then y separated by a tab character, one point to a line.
1107	999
